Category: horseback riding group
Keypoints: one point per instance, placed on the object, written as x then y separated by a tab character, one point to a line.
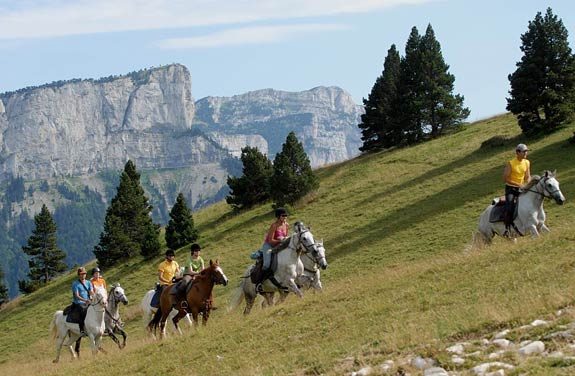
285	263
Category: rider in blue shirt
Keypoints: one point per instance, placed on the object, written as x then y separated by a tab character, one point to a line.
81	293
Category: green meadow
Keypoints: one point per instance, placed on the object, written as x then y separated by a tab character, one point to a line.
402	279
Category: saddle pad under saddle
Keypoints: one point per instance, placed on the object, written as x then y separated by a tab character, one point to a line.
498	213
73	316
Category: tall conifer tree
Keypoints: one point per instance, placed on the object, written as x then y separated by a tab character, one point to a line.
440	109
128	226
46	259
293	177
409	98
180	229
3	290
253	187
542	86
378	124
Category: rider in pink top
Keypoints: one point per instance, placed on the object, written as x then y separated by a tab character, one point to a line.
276	233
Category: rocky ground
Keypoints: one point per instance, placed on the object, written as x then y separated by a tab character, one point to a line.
509	351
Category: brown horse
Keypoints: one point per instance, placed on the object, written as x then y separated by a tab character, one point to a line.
198	299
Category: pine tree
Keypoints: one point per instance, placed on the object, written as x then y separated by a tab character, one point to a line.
542	86
128	226
293	177
253	187
378	123
440	109
3	290
408	107
180	229
46	259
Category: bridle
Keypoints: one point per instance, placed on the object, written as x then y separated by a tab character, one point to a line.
542	182
116	301
99	302
306	247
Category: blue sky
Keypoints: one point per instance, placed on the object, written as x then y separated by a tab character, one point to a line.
235	46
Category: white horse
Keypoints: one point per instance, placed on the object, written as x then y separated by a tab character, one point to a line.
310	278
530	213
67	333
149	312
112	319
289	267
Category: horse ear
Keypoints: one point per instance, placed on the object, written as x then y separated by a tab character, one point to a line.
211	262
555	172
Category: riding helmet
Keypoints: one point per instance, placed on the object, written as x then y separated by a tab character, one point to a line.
195	247
81	270
96	269
170	252
280	211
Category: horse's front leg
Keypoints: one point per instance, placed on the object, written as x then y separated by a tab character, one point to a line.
292	286
542	227
533	230
195	313
93	344
124	336
176	319
110	333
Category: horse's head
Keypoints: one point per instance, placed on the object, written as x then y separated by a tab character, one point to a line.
309	245
218	275
321	260
100	297
118	294
551	187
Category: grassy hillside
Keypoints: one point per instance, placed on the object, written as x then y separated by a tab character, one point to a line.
396	227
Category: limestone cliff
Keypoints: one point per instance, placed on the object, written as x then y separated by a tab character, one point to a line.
324	119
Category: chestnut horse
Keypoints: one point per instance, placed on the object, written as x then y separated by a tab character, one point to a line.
198	299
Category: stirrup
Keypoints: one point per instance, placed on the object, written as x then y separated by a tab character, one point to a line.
184	304
259	288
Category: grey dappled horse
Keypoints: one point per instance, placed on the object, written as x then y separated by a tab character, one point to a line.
112	319
289	267
530	214
67	333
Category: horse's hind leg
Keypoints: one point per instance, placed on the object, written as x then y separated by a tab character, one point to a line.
249	304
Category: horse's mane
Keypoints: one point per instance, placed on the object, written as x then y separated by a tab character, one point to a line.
534	180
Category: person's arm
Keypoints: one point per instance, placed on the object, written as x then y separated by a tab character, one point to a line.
527	176
79	297
507	173
271	235
160	276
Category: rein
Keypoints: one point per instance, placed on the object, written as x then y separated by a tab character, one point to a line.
544	189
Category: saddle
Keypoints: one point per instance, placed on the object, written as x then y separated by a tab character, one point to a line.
155	303
498	210
258	275
74	314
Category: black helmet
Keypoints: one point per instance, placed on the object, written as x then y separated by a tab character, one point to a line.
96	269
195	247
280	211
170	252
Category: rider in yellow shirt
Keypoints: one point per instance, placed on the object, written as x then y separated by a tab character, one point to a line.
517	172
168	269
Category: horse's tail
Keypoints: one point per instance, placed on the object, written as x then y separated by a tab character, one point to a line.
478	241
237	296
155	322
53	325
240	293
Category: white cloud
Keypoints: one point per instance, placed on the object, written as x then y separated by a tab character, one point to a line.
54	18
247	35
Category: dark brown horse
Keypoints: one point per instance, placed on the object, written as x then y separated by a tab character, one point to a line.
198	299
